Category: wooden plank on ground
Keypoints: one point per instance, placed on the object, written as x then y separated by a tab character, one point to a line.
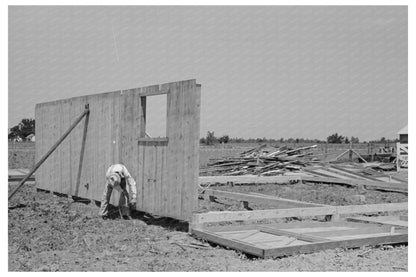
258	198
295	212
368	184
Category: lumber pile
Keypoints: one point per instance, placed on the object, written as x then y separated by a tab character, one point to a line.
263	162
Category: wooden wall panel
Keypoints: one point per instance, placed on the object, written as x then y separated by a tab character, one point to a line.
165	172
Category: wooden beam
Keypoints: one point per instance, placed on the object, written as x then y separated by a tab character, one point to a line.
81	156
153	139
199	219
51	150
355	182
153	93
14	178
380	220
259	198
247	179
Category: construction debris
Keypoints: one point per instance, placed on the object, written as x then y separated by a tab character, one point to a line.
267	160
262	162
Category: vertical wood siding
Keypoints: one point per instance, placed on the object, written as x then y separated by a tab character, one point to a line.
166	173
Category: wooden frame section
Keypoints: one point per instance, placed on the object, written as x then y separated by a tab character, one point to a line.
285	239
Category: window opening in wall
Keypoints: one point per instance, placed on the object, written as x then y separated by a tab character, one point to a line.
156	115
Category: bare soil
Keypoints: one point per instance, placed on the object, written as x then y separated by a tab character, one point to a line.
47	232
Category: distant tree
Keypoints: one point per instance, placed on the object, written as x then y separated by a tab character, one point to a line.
346	140
224	139
261	140
355	140
383	140
335	138
211	139
23	129
202	140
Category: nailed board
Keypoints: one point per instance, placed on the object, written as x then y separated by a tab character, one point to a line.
285	239
165	170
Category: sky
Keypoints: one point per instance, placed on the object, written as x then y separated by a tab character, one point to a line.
270	71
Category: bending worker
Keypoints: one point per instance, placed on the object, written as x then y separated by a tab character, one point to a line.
120	179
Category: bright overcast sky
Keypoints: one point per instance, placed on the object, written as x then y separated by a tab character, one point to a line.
270	72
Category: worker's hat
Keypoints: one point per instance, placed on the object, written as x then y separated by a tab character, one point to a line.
120	173
114	179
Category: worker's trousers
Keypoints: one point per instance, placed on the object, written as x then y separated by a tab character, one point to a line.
123	202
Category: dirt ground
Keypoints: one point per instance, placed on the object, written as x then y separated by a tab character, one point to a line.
47	232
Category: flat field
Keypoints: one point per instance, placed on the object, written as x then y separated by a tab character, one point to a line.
46	232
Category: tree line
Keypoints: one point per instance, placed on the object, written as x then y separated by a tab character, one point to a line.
211	139
23	129
27	126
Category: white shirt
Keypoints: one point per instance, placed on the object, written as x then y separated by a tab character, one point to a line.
131	184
